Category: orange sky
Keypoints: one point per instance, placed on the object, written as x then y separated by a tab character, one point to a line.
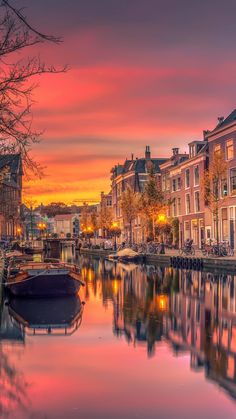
136	78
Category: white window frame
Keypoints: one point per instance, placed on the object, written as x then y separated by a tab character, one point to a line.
194	179
195	209
226	154
187	212
185	183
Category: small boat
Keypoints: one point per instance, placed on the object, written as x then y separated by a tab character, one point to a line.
40	279
126	255
37	316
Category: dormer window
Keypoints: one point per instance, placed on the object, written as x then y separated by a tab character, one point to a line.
192	150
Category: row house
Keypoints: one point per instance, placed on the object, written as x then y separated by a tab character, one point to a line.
133	172
223	139
183	189
10	195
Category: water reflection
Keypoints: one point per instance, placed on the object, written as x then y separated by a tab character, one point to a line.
60	316
193	311
13	386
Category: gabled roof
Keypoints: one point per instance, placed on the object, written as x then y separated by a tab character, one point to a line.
228	120
13	161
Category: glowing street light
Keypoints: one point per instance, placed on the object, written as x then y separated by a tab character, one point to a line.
115	229
162	218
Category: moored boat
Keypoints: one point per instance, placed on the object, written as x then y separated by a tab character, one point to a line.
126	255
40	279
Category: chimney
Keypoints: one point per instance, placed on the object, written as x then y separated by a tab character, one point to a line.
132	157
175	151
147	152
205	133
220	119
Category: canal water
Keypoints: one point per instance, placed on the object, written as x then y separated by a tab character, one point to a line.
149	342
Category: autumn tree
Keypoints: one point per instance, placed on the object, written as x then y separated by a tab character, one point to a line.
105	218
152	201
130	202
85	218
17	70
213	187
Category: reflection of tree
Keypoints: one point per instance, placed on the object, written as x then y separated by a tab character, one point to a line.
193	311
13	387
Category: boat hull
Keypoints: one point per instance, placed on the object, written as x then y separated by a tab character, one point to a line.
46	285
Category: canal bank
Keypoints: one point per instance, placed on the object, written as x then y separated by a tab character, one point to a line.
207	264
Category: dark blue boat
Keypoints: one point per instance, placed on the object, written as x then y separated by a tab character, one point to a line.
38	279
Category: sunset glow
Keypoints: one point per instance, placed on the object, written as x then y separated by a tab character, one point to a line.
135	78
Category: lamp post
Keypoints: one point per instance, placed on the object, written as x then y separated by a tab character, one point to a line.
19	231
42	227
162	221
88	232
115	230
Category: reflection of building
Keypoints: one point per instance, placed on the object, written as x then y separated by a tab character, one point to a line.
194	311
66	224
10	194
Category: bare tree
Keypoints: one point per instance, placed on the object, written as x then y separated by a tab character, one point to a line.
17	134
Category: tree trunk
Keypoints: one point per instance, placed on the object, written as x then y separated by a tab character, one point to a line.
153	227
217	227
130	233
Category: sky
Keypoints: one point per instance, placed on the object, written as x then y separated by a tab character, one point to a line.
142	72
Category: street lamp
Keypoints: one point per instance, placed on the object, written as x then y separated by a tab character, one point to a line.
19	231
115	230
162	221
42	227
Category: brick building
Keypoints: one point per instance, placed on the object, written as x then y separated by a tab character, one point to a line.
223	138
181	182
10	194
133	172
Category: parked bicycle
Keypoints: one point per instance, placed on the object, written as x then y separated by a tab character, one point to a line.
217	250
187	249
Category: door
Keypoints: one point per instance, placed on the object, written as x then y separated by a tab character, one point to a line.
231	233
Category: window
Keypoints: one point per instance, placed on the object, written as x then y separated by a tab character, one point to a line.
179	183
187	198
217	149
179	206
224	217
163	182
224	188
197	201
196	175
187	178
229	150
167	182
174	185
233	181
174	208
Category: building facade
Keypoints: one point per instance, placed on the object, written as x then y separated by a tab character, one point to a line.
183	189
10	195
66	224
223	139
133	172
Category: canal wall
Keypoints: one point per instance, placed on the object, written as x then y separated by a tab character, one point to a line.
207	264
